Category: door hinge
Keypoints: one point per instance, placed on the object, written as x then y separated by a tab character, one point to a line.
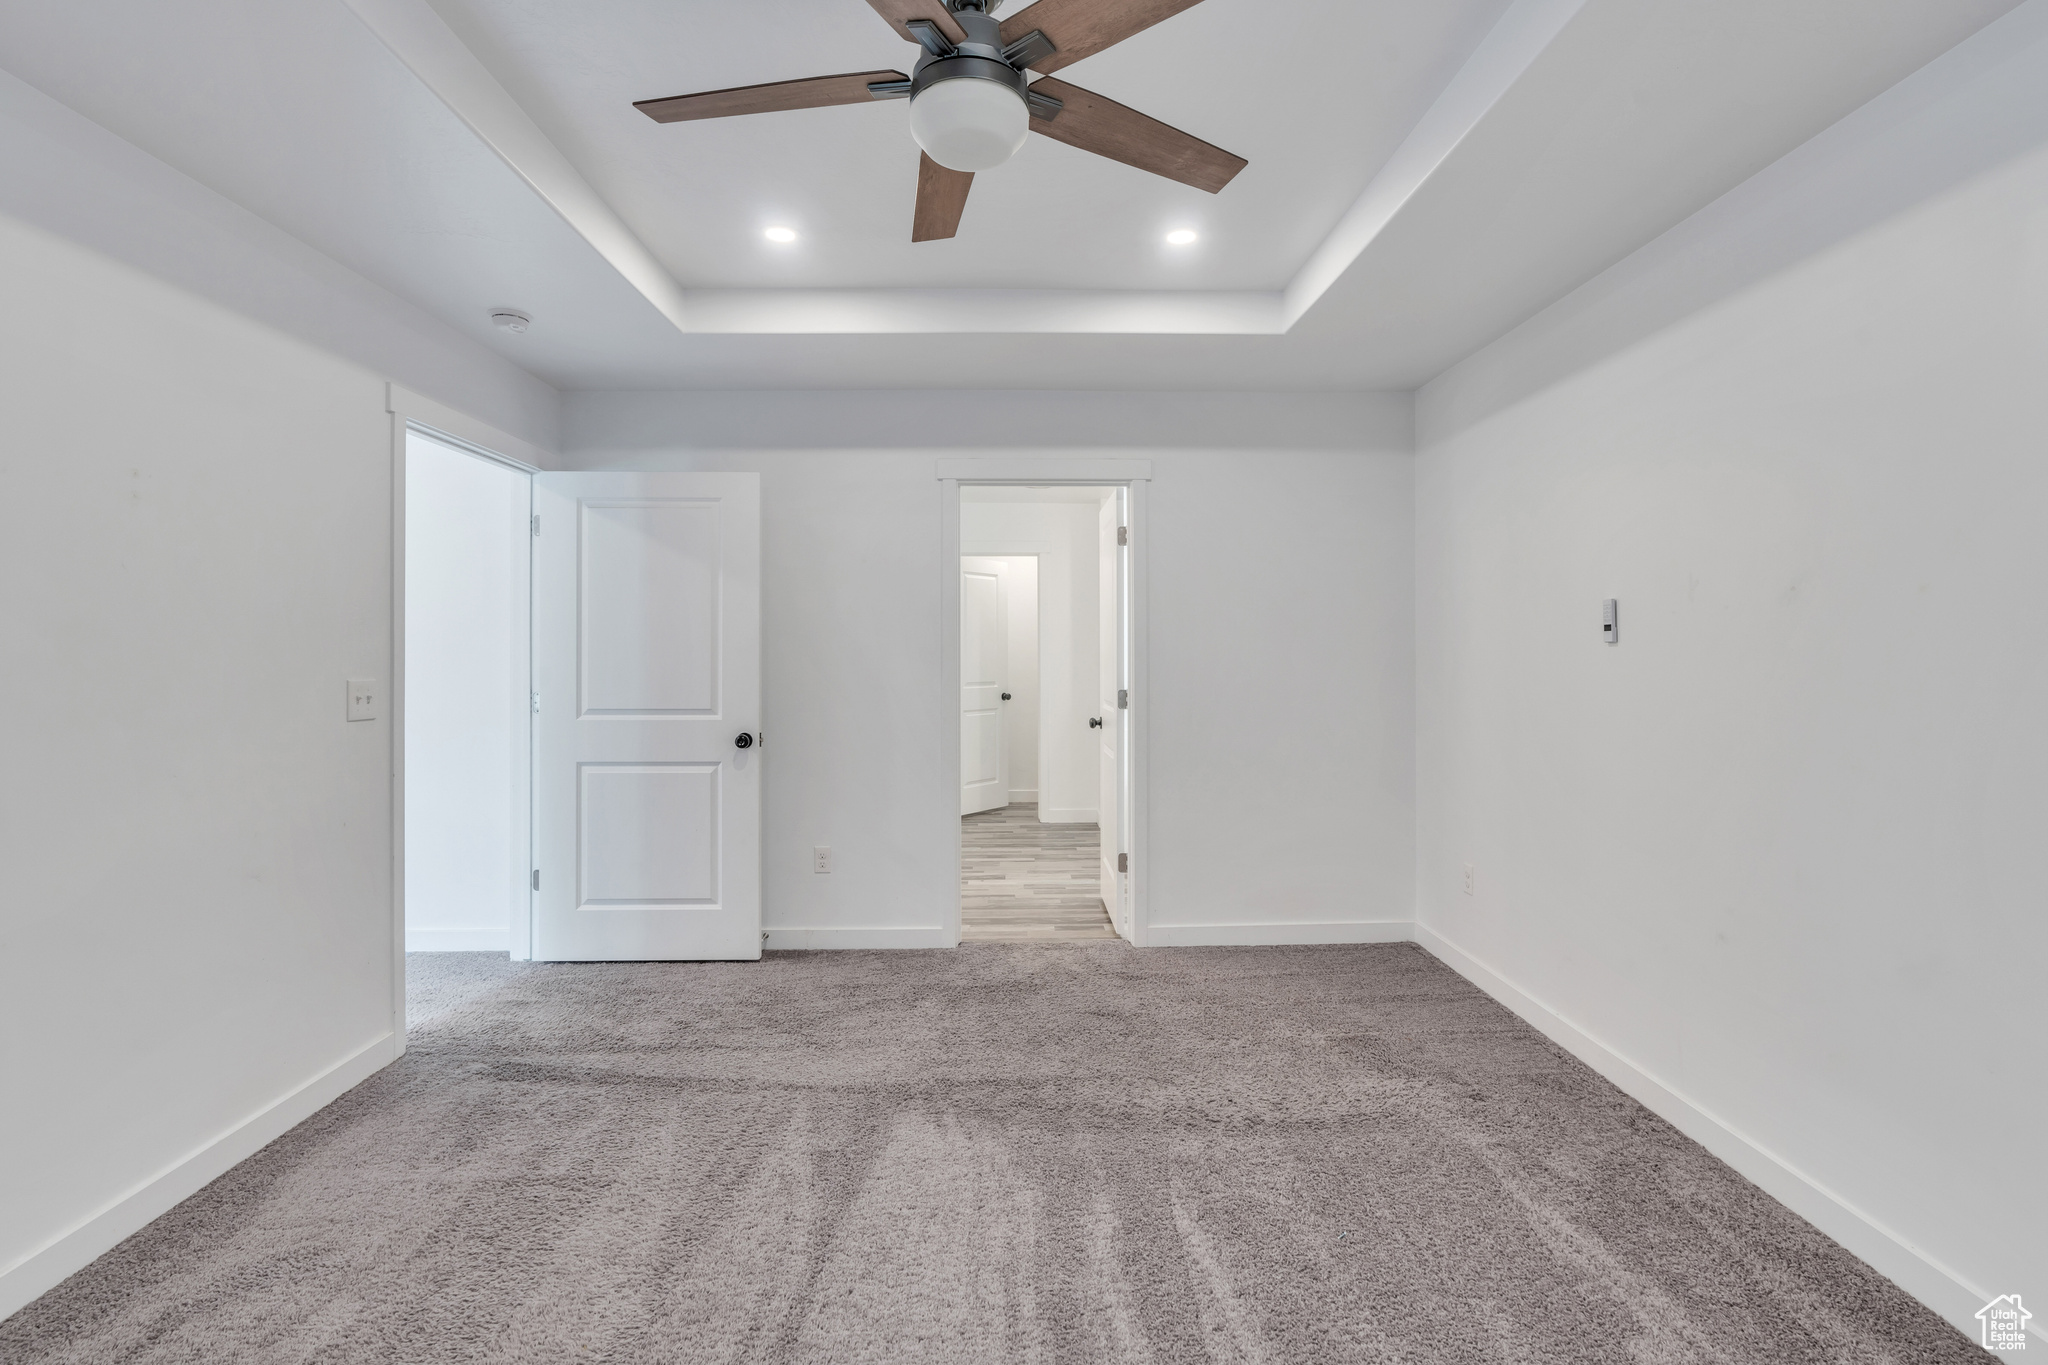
536	523
536	879
1123	863
536	703
1123	699
1123	535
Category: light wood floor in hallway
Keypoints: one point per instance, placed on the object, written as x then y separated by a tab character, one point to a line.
1025	882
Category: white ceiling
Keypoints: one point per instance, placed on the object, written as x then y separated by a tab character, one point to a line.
1315	119
1619	120
294	110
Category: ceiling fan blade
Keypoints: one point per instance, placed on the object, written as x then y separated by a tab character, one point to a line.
763	99
1081	28
1106	128
901	12
941	196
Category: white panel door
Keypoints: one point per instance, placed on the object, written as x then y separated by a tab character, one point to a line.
1110	796
647	678
984	669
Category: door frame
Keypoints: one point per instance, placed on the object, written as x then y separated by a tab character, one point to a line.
1038	470
412	412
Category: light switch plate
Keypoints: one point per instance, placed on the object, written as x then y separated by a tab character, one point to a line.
362	698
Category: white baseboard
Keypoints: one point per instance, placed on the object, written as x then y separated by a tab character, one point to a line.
1029	794
1885	1251
799	937
98	1233
496	940
1269	935
1061	815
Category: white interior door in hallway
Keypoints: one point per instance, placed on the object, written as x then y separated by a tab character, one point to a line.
984	673
647	674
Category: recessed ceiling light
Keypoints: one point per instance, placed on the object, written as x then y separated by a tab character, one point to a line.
780	234
1181	237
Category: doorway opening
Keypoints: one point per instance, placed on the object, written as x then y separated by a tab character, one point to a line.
1044	734
579	702
466	762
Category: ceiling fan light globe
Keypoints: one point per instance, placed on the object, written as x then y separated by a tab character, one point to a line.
969	125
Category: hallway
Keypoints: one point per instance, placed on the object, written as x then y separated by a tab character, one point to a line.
1021	881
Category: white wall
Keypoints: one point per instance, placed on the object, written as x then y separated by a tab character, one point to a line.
992	419
1282	731
197	554
1778	851
197	844
1022	725
465	644
1061	536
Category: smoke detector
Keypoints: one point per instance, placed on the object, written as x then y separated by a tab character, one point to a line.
507	320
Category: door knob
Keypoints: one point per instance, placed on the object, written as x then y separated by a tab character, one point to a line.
1006	696
1095	722
745	740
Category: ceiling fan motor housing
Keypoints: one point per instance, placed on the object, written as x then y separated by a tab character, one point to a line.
967	108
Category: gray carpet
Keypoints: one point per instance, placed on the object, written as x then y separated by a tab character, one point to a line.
1077	1153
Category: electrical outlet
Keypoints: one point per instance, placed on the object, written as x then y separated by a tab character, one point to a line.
821	859
1471	876
362	698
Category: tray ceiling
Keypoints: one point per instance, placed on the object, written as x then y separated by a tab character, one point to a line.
1422	178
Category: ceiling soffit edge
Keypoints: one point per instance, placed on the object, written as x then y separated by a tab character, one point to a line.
424	43
1514	44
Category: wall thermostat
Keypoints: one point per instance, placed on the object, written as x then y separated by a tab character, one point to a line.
1610	622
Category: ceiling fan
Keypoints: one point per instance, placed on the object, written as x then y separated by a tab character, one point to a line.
972	103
